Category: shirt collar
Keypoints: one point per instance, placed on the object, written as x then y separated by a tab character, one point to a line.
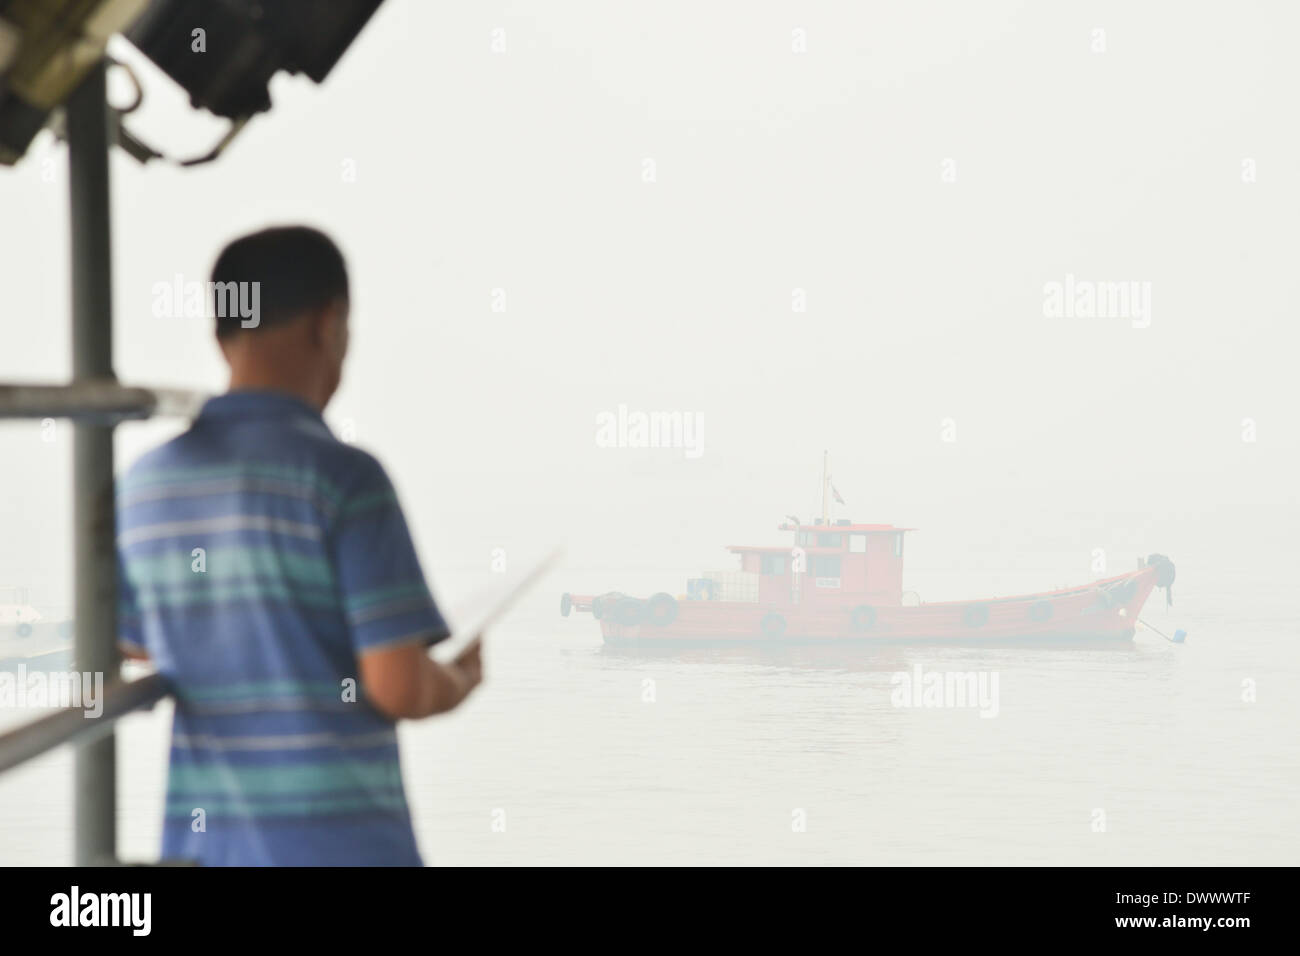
251	403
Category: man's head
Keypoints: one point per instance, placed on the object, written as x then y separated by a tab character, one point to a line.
281	301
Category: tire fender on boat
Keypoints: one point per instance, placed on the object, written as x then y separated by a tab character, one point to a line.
661	609
975	615
599	604
772	625
863	618
629	611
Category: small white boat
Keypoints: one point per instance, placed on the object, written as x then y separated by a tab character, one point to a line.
26	634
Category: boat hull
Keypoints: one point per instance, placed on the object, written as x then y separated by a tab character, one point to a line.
1106	611
39	641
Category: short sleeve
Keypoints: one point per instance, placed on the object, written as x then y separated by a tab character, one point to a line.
385	597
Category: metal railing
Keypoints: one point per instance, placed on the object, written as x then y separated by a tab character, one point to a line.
96	403
70	725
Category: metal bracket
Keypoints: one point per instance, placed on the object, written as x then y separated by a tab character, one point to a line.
97	401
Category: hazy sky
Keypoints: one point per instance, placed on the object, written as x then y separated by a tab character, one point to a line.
918	173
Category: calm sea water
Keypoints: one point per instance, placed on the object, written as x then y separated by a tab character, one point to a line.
578	753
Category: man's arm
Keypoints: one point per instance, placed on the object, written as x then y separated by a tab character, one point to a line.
405	682
130	636
391	615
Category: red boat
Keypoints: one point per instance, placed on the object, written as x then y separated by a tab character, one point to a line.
840	581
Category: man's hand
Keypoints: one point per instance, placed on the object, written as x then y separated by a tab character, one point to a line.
470	661
406	682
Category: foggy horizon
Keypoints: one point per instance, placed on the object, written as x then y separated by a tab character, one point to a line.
1025	273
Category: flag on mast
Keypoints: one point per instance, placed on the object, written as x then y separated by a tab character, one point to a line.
836	494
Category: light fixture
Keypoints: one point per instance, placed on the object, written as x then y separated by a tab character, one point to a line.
222	52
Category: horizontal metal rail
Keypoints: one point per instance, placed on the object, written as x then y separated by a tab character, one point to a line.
97	401
71	725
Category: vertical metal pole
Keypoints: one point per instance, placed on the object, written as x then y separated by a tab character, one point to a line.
94	520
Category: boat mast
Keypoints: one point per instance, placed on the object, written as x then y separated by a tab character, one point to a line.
826	484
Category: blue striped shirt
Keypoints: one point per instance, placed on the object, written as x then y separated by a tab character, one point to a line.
260	556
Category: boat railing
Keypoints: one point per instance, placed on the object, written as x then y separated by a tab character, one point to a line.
734	585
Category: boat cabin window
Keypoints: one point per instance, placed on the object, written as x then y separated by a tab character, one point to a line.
858	543
830	540
773	564
825	566
898	545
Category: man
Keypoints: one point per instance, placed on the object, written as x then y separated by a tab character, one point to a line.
267	569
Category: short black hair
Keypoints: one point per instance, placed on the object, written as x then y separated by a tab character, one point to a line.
298	269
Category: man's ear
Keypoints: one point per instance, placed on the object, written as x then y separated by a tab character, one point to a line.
335	319
319	322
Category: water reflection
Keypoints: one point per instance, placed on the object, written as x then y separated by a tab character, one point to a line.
875	657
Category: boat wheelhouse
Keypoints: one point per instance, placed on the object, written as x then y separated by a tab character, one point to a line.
843	561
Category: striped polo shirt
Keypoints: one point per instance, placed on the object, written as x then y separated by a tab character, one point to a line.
259	557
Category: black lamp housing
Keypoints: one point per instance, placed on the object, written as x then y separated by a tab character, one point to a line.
246	43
